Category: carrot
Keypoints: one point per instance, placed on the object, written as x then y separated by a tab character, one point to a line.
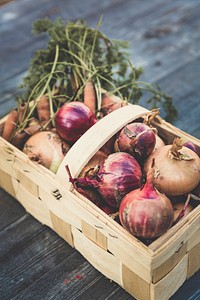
32	129
21	137
90	96
10	125
22	108
1	128
43	110
110	103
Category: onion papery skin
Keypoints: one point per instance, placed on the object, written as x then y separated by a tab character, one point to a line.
178	207
108	147
159	143
73	119
137	139
47	149
171	176
94	196
119	174
91	193
196	191
146	213
94	164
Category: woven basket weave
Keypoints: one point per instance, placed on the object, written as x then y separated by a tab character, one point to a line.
147	272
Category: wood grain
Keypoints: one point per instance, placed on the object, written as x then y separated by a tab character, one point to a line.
164	38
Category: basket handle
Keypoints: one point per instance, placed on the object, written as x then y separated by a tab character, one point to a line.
94	138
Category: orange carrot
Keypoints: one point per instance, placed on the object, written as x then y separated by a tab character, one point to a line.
10	125
74	83
32	129
21	137
90	96
43	110
22	108
1	128
111	102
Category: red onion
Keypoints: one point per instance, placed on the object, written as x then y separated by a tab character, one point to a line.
90	169
73	119
94	196
193	147
108	147
119	174
47	149
146	213
138	139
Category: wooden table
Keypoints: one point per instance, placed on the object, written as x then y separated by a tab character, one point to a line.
164	38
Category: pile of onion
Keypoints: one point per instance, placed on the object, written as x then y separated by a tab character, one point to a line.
73	119
47	149
176	169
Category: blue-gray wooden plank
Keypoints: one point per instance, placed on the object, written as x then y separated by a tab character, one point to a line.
167	29
164	38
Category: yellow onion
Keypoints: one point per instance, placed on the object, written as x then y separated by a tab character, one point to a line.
46	148
159	142
175	169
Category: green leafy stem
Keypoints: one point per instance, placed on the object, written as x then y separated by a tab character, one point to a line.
76	53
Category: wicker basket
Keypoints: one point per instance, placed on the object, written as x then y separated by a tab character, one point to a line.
146	272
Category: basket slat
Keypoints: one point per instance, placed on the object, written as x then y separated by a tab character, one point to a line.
34	206
63	212
103	261
108	227
168	132
130	260
166	287
162	270
6	162
94	235
194	240
62	228
194	260
176	241
6	183
134	284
